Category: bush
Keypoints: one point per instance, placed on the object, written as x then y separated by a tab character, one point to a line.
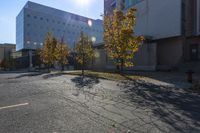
196	86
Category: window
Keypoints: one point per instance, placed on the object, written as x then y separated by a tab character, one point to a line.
35	17
41	18
53	21
47	20
129	3
28	15
58	22
63	23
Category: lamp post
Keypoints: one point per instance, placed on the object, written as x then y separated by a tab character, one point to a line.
82	44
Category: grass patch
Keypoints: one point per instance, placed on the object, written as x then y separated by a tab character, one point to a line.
196	87
106	75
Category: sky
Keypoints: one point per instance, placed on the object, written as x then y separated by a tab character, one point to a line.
9	9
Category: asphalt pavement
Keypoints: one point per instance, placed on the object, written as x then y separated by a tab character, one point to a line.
56	103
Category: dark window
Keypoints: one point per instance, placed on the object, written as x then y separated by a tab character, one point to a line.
47	20
35	17
28	15
41	18
194	52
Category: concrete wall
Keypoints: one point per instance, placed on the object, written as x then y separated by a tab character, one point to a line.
169	52
145	59
158	18
190	41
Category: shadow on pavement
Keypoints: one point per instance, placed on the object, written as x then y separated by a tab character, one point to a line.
27	75
85	82
178	108
52	75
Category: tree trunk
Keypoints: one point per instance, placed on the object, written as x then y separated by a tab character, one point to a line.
83	68
62	67
122	65
48	68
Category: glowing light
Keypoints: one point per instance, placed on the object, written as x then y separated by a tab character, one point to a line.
90	23
93	39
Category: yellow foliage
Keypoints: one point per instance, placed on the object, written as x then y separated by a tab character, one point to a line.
62	52
120	41
84	50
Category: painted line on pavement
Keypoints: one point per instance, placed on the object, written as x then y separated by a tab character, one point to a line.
13	106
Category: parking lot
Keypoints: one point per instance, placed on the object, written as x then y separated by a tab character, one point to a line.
45	103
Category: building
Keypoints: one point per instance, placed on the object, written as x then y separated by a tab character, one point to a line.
171	28
35	21
6	51
109	6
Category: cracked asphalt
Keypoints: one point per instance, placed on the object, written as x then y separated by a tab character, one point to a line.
67	104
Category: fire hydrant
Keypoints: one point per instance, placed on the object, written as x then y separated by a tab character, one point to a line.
190	76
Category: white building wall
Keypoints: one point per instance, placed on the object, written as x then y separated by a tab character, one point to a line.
158	18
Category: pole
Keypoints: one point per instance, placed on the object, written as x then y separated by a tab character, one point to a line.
62	64
83	57
30	60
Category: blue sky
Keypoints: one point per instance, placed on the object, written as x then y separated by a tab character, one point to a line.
10	8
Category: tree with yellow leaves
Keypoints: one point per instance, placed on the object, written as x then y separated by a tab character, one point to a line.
48	52
62	53
84	51
119	37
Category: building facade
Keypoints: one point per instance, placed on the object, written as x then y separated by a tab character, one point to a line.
6	51
171	28
35	21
